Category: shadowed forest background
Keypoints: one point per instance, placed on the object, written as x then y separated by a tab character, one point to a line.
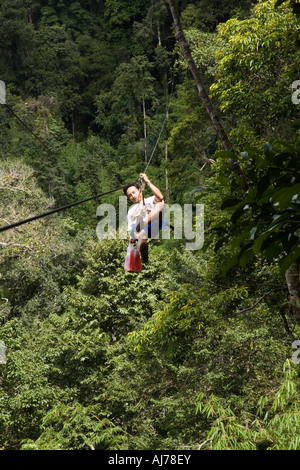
198	350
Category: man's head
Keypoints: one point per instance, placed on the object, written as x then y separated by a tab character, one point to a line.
132	191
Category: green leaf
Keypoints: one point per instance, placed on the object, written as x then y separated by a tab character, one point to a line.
268	151
259	240
233	262
223	181
225	155
242	237
231	202
285	195
246	257
279	2
237	214
260	162
286	262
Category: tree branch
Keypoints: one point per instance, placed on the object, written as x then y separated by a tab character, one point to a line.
208	104
252	307
203	95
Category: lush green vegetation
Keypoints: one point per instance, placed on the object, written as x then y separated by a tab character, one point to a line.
195	352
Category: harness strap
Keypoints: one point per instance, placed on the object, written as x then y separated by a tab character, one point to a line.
142	188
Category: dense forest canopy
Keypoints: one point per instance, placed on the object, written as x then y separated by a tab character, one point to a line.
200	349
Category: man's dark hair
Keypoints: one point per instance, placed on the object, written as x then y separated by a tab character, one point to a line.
128	185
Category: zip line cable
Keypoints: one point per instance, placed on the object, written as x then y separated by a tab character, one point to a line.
153	151
53	211
25	125
44	214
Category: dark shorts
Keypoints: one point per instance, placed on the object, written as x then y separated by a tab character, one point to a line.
151	229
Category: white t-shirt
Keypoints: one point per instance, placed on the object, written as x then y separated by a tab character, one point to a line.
140	209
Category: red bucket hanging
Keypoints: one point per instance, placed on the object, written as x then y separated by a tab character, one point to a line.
132	260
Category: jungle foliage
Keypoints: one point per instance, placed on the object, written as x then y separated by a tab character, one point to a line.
199	350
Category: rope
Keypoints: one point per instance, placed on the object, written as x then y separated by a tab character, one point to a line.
156	144
44	214
141	181
26	127
163	125
53	211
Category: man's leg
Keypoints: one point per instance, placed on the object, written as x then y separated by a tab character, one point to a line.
156	214
143	246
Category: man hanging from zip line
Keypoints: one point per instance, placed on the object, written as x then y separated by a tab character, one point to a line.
145	216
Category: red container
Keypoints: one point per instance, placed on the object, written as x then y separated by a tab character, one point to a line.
133	260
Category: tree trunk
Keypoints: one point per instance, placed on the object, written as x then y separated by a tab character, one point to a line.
28	12
203	95
2	154
292	274
208	104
